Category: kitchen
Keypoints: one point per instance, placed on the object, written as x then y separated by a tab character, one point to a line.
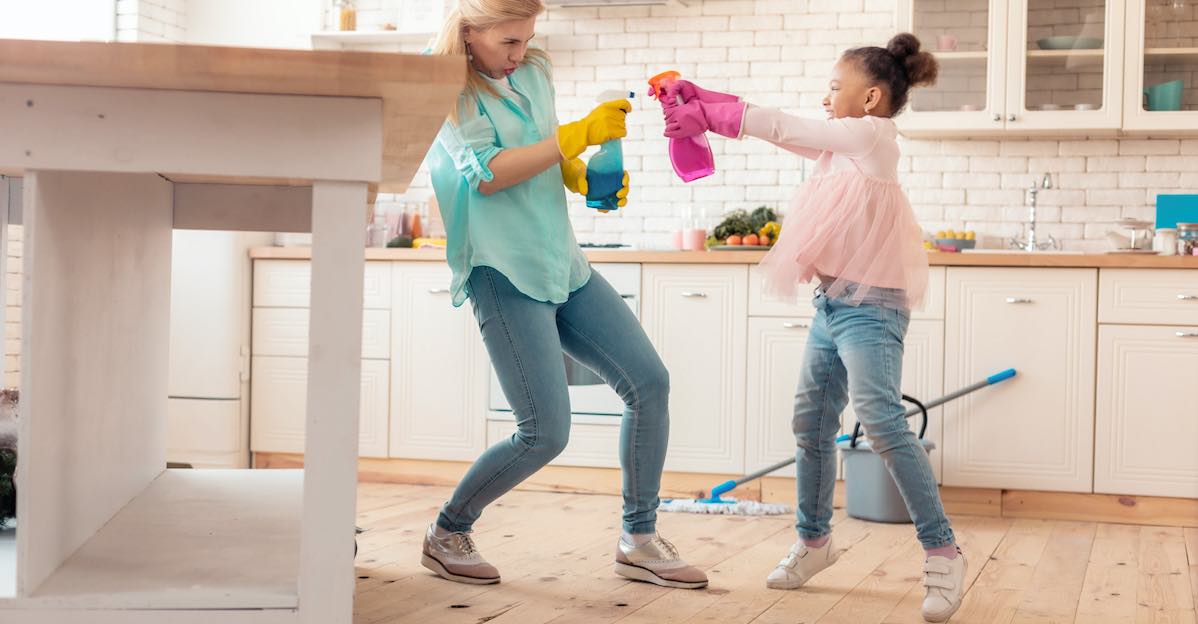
1053	143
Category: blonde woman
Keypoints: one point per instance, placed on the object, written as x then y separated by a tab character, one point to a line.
500	167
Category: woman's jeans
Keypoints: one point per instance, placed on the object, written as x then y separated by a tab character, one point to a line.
857	351
525	339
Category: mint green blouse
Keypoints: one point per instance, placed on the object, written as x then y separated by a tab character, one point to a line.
523	231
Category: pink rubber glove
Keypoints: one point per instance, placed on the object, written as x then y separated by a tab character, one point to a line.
695	117
690	91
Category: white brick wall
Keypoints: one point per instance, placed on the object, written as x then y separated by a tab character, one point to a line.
158	21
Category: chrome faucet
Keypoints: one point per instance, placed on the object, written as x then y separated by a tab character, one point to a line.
1031	243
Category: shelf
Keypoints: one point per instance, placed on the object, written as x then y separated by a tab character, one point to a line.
980	55
1055	57
193	539
368	37
1181	54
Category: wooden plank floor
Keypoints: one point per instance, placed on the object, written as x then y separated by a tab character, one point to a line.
555	554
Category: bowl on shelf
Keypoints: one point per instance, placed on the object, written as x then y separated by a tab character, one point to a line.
1069	42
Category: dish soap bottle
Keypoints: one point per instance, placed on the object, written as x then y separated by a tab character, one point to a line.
605	170
691	156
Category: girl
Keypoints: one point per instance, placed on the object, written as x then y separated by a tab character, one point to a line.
498	167
851	228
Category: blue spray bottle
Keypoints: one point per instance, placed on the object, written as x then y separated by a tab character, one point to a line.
605	170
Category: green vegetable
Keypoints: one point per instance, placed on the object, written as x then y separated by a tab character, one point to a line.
8	490
401	241
760	217
735	223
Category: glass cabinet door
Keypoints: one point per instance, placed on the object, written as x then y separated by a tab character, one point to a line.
968	92
1068	54
1170	72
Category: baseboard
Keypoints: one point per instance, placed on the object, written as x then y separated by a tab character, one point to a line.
1142	510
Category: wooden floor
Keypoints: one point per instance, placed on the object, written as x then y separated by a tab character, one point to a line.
555	554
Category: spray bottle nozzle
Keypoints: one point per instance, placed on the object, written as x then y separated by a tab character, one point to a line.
612	95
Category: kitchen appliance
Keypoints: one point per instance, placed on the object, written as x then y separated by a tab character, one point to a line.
208	388
590	397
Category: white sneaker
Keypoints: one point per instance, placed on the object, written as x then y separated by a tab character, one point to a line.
802	563
945	580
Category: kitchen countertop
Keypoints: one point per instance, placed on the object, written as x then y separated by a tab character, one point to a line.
998	259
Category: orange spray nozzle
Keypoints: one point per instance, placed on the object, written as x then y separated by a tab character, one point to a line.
663	80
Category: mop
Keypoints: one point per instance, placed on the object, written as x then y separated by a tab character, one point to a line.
717	504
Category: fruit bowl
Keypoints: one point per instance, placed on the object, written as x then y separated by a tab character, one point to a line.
954	244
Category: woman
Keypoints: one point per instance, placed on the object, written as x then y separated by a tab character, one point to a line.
498	168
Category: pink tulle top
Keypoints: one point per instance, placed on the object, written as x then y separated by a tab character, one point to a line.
850	225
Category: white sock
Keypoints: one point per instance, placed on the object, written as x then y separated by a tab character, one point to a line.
636	539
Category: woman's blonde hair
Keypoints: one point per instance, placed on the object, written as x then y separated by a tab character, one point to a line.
483	15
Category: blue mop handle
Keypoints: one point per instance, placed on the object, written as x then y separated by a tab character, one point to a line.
723	488
989	381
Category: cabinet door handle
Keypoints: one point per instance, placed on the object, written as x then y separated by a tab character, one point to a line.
1011	118
438	291
997	117
795	325
1185	297
1183	334
1018	300
628	296
694	295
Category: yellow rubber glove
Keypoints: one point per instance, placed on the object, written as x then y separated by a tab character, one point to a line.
603	124
622	194
574	175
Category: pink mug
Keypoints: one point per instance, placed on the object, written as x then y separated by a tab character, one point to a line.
946	43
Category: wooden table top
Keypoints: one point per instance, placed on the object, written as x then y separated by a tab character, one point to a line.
416	90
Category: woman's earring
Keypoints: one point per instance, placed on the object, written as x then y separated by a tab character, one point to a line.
469	53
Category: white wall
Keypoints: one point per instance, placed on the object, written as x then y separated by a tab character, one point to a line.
69	20
256	23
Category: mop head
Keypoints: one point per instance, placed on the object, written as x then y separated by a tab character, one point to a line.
728	506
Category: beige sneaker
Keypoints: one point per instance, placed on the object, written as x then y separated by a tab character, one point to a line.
657	561
802	563
455	557
944	579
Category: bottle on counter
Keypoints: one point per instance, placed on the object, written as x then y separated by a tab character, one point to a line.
347	15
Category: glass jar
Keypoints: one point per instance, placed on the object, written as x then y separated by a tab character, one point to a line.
1187	239
347	15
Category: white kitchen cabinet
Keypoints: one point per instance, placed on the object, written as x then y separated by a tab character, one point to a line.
1035	431
439	369
997	79
287	284
1146	426
696	316
775	352
776	347
1160	49
1148	296
284	332
280	397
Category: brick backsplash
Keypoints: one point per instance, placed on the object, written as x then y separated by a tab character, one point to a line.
157	21
778	53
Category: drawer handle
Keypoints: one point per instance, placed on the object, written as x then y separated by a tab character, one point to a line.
438	291
1184	297
1018	300
795	325
694	295
626	297
1187	334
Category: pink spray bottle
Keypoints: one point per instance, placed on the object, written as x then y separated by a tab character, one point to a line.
691	156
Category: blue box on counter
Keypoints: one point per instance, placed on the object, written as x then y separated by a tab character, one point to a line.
1174	209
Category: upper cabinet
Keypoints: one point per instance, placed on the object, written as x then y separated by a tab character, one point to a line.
1161	79
1018	67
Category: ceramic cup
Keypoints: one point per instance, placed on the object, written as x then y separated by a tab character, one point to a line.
1164	97
946	43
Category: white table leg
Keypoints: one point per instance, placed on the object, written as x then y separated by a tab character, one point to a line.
326	581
